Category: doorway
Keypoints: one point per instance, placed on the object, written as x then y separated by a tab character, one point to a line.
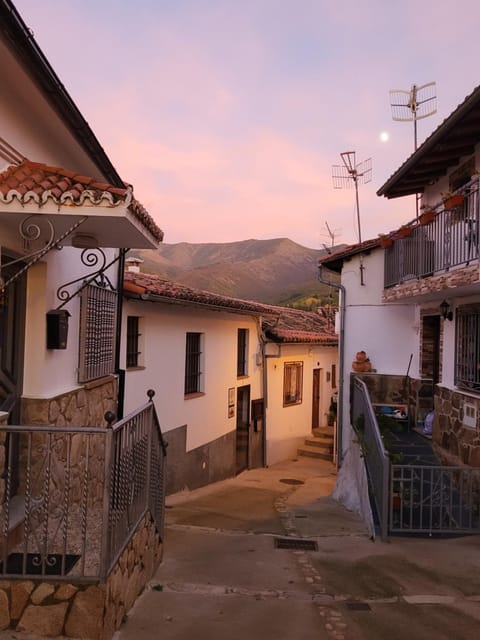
430	364
243	427
316	399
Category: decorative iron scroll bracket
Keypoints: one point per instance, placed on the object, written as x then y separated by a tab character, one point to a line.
31	231
90	258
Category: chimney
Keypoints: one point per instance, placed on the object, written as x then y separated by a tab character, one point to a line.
133	264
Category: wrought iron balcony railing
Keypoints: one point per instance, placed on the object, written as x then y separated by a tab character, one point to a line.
451	239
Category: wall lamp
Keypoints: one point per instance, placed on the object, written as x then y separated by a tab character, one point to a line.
445	311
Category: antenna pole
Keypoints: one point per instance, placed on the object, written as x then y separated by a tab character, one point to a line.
358	209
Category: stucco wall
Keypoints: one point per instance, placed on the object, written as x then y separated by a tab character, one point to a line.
163	329
287	426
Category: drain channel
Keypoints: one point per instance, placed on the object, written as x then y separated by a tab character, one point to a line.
358	606
296	543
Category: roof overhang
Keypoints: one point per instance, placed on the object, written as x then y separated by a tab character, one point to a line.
78	225
453	140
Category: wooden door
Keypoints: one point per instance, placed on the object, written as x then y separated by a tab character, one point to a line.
243	427
316	399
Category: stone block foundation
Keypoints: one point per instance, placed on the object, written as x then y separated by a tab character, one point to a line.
92	611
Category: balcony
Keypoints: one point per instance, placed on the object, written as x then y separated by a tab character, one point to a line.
451	239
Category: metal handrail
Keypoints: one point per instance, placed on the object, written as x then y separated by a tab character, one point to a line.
375	455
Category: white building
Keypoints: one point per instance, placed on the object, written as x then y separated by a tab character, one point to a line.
238	384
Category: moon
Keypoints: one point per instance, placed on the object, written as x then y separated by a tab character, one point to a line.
384	136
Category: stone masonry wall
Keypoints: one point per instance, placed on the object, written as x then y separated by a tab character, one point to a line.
82	407
88	611
455	444
394	389
422	286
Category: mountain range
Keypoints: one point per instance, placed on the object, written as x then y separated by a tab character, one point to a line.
276	271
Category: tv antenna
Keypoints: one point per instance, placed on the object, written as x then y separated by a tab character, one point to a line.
410	106
350	174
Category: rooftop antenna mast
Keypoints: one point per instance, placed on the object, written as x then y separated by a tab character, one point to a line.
410	106
350	174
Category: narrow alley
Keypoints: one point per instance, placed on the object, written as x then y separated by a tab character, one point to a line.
269	554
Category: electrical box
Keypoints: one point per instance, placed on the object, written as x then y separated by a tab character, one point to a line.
57	328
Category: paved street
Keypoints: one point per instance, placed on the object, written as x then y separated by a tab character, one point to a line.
223	575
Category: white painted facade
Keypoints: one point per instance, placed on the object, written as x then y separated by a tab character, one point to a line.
33	128
288	426
163	342
163	327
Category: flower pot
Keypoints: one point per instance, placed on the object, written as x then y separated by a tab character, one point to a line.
453	201
404	232
426	217
386	242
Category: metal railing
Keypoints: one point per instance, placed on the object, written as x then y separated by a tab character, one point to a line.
451	239
413	498
376	457
81	494
434	499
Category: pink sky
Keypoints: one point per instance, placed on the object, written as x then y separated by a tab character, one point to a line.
228	116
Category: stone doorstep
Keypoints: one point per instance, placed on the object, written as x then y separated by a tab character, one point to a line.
320	443
315	452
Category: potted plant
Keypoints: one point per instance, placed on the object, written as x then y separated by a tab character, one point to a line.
386	241
404	232
452	200
428	215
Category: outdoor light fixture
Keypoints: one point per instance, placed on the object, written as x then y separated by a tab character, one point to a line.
445	311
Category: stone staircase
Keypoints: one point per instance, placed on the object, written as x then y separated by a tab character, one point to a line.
319	444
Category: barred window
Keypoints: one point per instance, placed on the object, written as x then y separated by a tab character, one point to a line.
292	383
193	372
98	311
133	341
242	352
467	347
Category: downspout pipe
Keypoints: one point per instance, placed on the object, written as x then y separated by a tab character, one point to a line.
118	335
322	277
263	344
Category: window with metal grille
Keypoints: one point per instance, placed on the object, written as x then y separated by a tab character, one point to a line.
242	352
98	310
193	356
292	383
133	341
467	347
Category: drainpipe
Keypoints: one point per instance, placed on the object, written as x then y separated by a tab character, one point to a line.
118	335
263	342
341	363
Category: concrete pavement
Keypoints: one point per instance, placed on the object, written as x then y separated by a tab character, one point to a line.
224	577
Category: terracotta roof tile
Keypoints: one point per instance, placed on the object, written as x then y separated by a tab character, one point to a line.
59	185
280	324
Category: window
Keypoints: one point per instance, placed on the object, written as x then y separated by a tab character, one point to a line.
193	372
334	376
133	341
98	312
292	383
467	347
242	352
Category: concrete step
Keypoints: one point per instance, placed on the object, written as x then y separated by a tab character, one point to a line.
323	432
315	452
321	443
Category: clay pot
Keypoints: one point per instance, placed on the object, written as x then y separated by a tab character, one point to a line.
360	356
426	217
